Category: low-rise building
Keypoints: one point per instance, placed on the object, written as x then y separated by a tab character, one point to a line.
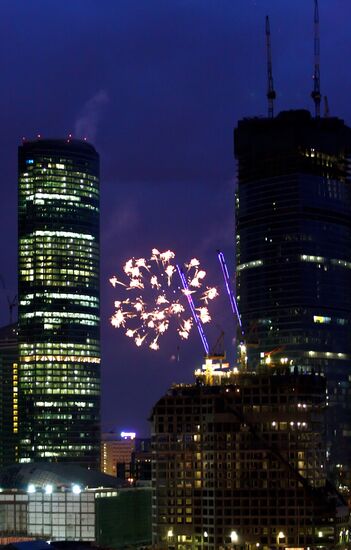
45	503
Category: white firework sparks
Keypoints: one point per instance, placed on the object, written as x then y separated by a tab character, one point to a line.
156	298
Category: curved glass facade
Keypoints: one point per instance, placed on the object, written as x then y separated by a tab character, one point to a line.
293	232
59	318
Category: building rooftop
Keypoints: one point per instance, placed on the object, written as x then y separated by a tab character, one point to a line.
290	130
56	145
19	476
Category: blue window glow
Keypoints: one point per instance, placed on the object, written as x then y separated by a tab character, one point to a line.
30	161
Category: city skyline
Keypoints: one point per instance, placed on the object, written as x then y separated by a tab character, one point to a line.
158	96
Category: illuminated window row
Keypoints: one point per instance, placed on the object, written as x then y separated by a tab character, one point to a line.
250	265
79	404
31	244
65	234
54	179
58	358
62	391
70	207
56	386
57	249
60	371
63	296
61	314
53	273
56	264
85	282
90	342
321	260
53	196
36	171
72	302
327	355
41	382
75	191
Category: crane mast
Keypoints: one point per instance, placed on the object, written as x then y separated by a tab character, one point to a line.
271	95
316	93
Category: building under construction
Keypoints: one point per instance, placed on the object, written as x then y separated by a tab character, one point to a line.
293	211
293	251
239	461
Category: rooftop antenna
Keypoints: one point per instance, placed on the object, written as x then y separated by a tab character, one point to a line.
316	93
271	95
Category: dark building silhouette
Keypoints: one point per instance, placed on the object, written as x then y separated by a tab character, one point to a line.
59	342
293	231
8	395
238	461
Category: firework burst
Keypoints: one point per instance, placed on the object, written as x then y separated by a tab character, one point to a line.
156	298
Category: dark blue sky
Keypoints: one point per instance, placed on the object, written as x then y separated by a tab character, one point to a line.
157	86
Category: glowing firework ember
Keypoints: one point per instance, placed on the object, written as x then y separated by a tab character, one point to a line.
156	297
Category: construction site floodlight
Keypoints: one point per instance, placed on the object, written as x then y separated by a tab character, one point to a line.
76	489
48	489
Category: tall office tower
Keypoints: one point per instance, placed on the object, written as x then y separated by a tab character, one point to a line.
8	395
293	231
238	462
59	343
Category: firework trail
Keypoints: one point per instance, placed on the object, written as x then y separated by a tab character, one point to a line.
156	297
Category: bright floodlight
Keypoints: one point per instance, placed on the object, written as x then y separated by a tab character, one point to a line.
76	489
48	489
205	534
31	488
234	536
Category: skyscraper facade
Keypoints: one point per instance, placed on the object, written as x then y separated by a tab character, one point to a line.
293	231
59	323
238	461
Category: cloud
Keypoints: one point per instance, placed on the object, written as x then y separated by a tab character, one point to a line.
87	122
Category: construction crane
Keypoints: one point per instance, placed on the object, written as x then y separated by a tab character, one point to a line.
316	93
271	95
12	303
326	107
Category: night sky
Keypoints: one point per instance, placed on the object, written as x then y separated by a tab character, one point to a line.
157	86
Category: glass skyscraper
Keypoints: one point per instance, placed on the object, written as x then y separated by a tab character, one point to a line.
293	231
59	322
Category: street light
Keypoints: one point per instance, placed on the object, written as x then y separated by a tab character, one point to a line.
234	537
280	538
